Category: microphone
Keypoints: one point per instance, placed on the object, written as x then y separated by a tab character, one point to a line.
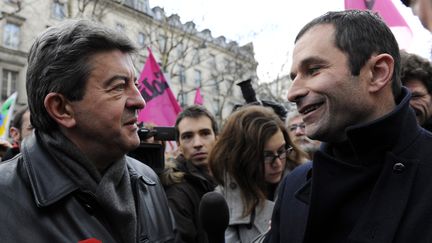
214	216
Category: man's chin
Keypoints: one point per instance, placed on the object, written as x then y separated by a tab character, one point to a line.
200	162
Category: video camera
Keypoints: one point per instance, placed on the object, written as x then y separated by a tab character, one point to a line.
250	98
153	154
159	133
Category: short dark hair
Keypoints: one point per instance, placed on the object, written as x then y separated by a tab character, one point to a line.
416	67
195	111
17	120
360	34
58	62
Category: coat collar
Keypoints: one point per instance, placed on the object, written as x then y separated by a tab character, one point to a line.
390	135
372	139
259	218
48	182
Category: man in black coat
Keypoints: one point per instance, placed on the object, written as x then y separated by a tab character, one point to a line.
72	181
370	181
188	179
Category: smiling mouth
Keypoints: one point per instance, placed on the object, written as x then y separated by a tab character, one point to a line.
309	108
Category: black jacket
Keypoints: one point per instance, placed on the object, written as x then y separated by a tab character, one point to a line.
387	199
38	203
184	199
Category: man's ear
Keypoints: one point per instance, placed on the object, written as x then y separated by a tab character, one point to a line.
60	109
15	134
381	67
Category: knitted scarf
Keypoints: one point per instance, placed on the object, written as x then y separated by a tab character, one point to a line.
112	190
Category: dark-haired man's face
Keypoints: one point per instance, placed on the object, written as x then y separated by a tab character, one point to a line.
106	117
328	97
421	100
196	139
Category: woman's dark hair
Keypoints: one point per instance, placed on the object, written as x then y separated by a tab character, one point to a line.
239	152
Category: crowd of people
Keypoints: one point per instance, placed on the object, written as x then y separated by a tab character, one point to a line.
352	164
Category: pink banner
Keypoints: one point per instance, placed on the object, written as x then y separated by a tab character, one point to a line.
162	107
390	15
198	98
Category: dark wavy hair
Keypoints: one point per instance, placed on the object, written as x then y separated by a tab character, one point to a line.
239	152
60	61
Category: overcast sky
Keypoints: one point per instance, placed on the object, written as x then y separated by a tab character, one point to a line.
271	25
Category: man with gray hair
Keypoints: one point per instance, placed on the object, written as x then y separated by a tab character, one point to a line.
73	181
297	132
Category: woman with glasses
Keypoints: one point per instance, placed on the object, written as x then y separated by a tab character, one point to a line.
248	161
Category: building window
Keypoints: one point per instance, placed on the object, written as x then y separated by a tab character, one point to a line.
198	78
196	58
215	105
120	27
183	99
216	86
11	35
8	83
212	61
58	10
180	50
141	5
182	74
162	42
141	39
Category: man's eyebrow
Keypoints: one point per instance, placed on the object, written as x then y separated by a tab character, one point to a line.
109	81
185	132
306	62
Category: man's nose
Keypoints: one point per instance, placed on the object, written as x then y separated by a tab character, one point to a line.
135	99
300	131
297	90
197	142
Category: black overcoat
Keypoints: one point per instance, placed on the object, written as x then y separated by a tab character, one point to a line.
399	208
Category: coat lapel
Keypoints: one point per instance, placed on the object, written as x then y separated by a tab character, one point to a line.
387	203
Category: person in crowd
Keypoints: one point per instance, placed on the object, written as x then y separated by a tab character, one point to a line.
188	179
248	161
416	75
369	182
297	131
20	128
72	181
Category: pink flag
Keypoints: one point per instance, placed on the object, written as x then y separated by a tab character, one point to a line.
390	15
198	98
162	107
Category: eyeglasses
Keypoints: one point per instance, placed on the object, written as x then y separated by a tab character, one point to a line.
270	158
294	127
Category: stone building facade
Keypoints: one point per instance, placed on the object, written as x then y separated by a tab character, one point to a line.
189	58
